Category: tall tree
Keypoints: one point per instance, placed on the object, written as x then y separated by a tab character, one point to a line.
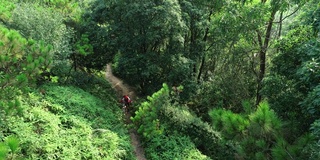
197	17
292	85
146	35
247	28
240	41
264	36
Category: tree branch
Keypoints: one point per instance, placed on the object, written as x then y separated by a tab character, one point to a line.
280	21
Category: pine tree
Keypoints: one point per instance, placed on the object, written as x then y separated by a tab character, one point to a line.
21	63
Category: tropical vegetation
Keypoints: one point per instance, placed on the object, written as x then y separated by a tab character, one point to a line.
229	79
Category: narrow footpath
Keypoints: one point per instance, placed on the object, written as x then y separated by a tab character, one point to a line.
123	89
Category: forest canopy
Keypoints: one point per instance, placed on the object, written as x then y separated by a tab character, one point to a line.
232	79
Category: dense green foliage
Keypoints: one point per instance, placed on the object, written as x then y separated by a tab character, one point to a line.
258	134
243	78
164	141
21	61
81	117
69	123
52	121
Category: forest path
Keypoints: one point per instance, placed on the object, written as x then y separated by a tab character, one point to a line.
123	89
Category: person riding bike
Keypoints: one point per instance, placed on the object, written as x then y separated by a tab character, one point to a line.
126	102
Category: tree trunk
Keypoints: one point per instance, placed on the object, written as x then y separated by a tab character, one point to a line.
203	60
262	55
280	24
201	68
75	62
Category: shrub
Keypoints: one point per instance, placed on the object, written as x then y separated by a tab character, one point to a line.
69	123
157	120
146	117
22	61
258	135
173	147
207	140
314	147
231	125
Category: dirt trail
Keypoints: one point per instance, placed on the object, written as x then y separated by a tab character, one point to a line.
123	89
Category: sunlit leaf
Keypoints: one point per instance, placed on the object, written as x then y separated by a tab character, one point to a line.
13	143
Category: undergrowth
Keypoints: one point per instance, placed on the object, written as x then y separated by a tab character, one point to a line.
172	132
66	122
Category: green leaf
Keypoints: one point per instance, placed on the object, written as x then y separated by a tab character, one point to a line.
29	58
13	143
21	78
3	151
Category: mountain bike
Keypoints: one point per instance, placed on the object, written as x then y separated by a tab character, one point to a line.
125	107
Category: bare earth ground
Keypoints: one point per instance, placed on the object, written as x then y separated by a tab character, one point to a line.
123	89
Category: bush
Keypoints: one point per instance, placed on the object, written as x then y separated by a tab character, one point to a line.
157	120
173	147
314	147
230	124
68	123
207	140
259	134
22	61
83	104
146	117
